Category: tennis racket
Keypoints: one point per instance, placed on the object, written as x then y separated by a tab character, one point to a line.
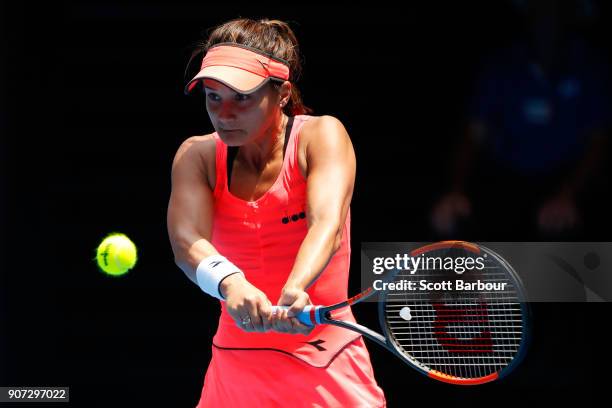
465	337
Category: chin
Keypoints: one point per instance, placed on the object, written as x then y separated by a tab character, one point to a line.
232	138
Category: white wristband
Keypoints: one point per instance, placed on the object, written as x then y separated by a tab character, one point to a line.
211	271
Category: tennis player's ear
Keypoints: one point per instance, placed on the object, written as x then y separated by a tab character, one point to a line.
284	94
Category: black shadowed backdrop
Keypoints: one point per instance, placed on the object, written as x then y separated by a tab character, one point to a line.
92	112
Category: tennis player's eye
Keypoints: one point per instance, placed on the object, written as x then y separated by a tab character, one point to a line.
242	97
213	97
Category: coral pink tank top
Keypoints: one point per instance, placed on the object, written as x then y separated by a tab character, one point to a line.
262	238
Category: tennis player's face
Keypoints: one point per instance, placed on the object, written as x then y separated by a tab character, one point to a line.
238	118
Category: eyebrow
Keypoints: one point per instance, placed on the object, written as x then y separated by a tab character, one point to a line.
216	89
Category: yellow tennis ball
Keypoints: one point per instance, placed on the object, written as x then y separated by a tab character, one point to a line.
116	254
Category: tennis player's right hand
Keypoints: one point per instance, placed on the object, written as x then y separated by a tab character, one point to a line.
245	301
446	212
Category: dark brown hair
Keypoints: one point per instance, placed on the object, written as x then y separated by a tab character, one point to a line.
274	37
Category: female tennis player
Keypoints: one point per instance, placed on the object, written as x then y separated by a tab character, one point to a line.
259	215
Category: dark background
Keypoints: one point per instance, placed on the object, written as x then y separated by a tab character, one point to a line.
92	114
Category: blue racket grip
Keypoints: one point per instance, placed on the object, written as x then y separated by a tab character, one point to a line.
309	316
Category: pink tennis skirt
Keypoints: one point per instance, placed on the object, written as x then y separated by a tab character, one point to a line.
266	378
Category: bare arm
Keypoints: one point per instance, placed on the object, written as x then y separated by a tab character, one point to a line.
190	217
190	210
330	182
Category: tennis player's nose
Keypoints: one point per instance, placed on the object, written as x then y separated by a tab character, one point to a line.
226	112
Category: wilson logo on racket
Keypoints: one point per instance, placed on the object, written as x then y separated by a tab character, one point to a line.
475	317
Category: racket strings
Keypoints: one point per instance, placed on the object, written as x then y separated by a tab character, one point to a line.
466	334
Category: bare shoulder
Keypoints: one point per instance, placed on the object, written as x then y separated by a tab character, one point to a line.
322	135
202	144
325	127
198	152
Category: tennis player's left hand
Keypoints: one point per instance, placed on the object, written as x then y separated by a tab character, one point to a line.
284	322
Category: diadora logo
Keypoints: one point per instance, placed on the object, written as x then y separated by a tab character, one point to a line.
317	344
294	218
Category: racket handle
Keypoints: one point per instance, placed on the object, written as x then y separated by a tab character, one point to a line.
308	316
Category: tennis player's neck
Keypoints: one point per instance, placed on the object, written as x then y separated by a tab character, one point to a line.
269	148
